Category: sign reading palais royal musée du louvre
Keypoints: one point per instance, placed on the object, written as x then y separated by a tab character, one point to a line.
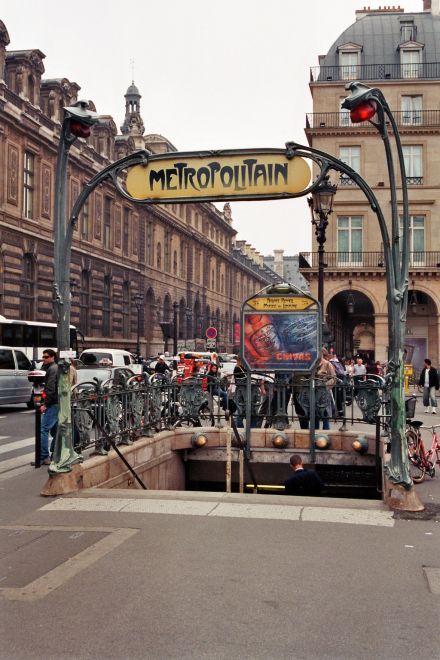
211	175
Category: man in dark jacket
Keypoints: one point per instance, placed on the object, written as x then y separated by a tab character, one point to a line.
430	383
302	482
49	409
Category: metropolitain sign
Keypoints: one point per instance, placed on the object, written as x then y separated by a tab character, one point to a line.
223	175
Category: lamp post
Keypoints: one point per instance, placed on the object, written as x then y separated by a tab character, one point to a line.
175	308
138	299
77	122
321	206
369	104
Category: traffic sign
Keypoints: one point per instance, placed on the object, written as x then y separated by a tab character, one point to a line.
211	333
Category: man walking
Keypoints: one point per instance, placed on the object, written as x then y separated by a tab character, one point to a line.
430	382
302	482
49	409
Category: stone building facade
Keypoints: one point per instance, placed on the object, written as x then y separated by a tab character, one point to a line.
176	257
397	52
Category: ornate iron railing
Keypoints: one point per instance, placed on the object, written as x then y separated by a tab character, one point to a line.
404	119
344	260
107	414
363	72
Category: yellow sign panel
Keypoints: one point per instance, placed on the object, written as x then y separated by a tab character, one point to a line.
221	176
278	304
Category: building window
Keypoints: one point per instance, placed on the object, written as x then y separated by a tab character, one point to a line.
175	263
27	288
28	185
351	156
106	297
107	223
413	158
85	221
149	238
416	239
126	310
125	231
167	252
350	240
408	31
411	110
411	61
349	62
182	260
159	256
84	303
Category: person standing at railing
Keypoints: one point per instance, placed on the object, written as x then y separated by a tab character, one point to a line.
325	373
214	388
430	382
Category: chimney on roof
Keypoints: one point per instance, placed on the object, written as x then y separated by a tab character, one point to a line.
387	9
432	6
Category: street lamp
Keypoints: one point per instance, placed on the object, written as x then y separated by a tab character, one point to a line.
369	104
77	122
138	299
321	206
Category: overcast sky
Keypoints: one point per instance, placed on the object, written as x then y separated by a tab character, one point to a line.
212	74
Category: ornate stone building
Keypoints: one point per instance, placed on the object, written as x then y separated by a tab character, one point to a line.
177	257
397	52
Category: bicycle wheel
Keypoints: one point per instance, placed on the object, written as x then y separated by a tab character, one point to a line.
417	469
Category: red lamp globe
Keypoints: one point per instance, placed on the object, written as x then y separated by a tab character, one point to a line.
78	129
363	112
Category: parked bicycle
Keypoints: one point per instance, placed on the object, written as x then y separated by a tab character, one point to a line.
422	461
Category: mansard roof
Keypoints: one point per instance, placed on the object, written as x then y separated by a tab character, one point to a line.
379	34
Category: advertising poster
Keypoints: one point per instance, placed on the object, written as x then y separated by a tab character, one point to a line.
283	341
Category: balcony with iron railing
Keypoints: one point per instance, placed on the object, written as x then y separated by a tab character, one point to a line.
345	73
345	181
335	261
409	119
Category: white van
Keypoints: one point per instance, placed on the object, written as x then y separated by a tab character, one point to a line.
14	384
116	356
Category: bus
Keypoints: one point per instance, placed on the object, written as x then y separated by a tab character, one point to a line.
32	337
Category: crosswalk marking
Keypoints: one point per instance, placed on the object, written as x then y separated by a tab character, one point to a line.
18	444
18	461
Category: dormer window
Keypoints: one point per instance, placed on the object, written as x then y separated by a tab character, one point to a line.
411	61
408	31
349	61
411	58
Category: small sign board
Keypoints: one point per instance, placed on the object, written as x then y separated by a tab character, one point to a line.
211	333
281	332
211	344
68	355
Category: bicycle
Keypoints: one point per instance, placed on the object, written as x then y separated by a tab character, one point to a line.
420	460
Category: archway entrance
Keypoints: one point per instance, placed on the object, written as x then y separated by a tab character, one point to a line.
350	318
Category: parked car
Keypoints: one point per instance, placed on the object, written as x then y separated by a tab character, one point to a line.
115	357
97	374
14	384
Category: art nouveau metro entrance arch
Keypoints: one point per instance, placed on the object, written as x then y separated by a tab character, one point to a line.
239	175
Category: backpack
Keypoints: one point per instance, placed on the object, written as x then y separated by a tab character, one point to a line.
339	369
